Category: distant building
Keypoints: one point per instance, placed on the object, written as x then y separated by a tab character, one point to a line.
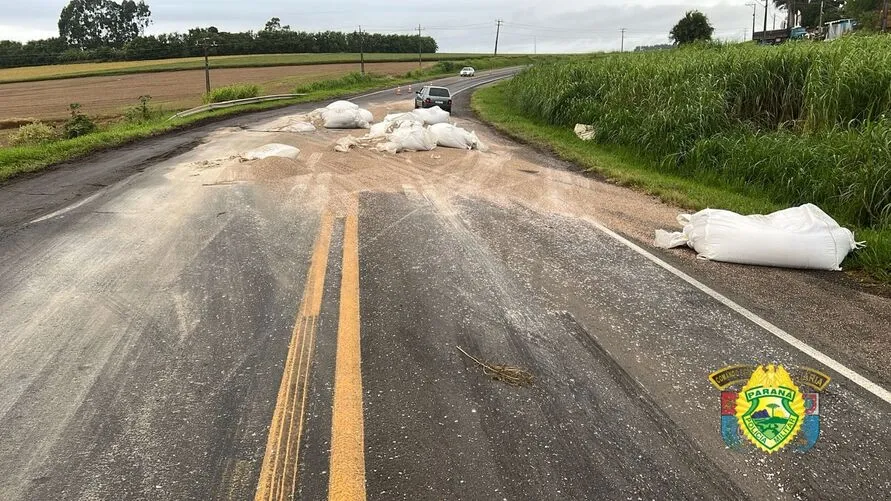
835	29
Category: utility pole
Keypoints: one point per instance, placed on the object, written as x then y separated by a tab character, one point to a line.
204	43
361	51
419	46
498	23
884	16
622	44
754	7
764	34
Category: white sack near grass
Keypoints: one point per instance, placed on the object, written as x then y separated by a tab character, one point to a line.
798	237
271	150
585	132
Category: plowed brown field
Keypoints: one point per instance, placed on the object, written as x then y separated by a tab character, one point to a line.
108	96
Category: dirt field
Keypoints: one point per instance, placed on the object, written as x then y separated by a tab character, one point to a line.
108	96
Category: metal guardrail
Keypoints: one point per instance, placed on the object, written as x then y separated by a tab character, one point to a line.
234	102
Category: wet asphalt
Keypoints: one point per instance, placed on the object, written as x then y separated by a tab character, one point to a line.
144	337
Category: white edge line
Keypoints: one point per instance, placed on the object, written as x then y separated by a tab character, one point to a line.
805	348
69	208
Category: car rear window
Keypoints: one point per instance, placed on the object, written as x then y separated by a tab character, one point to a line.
439	92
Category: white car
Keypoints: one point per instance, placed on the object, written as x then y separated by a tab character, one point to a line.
467	71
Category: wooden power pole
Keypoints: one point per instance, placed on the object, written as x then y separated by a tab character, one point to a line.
498	23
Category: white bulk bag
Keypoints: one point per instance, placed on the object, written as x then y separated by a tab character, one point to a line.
798	237
409	137
346	119
451	136
434	115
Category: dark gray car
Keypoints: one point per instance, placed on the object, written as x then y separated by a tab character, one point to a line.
430	96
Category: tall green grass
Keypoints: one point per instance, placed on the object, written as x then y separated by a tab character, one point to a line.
802	122
230	92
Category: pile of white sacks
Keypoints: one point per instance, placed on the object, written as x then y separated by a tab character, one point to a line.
418	130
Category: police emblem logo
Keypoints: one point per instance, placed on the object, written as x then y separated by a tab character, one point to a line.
769	410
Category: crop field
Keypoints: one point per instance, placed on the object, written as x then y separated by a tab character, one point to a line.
108	95
802	122
56	71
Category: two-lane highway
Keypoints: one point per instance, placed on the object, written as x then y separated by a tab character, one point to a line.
204	327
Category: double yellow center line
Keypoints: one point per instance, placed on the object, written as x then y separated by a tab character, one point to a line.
278	475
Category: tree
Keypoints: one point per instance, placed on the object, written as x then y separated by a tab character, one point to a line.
275	24
90	24
866	12
692	27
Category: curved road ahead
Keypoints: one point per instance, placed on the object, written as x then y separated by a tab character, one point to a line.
181	324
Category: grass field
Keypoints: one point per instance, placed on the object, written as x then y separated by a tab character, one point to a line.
109	96
52	72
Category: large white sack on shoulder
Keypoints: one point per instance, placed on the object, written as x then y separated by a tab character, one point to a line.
798	237
342	105
434	115
366	115
271	150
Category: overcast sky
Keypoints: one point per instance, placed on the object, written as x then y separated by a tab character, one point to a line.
458	25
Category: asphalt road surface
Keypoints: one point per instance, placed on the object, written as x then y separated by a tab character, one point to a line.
178	323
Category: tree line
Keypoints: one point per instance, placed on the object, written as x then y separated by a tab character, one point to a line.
103	30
